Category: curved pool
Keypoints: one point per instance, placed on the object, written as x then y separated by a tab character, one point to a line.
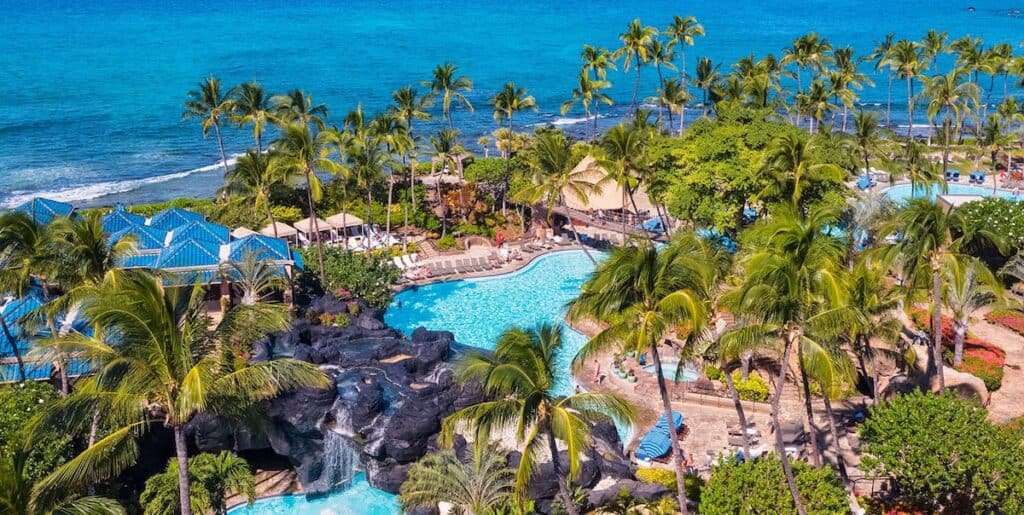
358	499
669	370
477	310
902	192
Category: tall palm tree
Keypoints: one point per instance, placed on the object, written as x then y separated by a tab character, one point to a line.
949	95
866	136
970	286
297	107
588	93
597	61
906	59
636	42
409	105
992	136
880	55
484	485
450	88
255	174
674	96
554	174
682	32
659	55
808	52
369	164
623	154
519	381
933	44
931	242
391	131
167	360
507	102
211	106
846	80
301	152
919	170
252	107
447	151
706	80
792	290
874	303
815	102
793	169
643	293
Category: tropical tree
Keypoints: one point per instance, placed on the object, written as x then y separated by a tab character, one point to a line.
254	278
211	106
623	152
297	108
867	137
254	176
931	242
301	152
17	492
682	32
643	294
519	381
168	360
252	107
846	80
906	60
508	101
880	55
706	80
409	106
949	95
673	95
588	93
213	477
791	290
484	485
808	52
554	174
447	151
391	132
635	52
933	44
793	170
874	304
450	88
969	286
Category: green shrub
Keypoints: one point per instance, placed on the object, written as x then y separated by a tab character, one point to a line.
50	447
712	372
760	487
447	242
667	478
755	388
368	278
352	307
192	204
286	214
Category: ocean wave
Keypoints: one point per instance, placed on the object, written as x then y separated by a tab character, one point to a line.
102	189
562	121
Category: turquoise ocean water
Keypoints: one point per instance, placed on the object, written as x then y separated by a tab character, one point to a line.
91	91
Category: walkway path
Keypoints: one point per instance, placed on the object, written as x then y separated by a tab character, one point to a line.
1005	402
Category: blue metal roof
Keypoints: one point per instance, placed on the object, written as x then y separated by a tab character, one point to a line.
34	371
297	256
201	230
263	246
173	218
146	238
189	253
147	260
43	210
190	278
118	219
12	314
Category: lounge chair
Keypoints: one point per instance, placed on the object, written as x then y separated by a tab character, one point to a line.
956	176
407	259
470	266
949	175
485	264
863	182
399	263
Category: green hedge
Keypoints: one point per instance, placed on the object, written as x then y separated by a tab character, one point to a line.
755	388
369	278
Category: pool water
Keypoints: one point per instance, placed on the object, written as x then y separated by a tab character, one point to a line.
478	310
358	499
902	192
668	371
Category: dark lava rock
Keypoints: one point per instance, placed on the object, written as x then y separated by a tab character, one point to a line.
637	489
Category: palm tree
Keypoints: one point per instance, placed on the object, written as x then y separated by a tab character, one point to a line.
706	80
596	61
880	55
508	101
392	132
368	162
673	95
933	44
920	171
167	359
659	55
297	108
519	381
905	58
588	93
636	42
793	170
874	304
252	107
949	95
18	495
447	151
867	137
970	286
253	277
644	293
682	32
554	173
931	242
791	290
992	137
484	485
846	79
303	153
623	152
450	88
409	106
213	478
210	105
252	179
809	52
815	102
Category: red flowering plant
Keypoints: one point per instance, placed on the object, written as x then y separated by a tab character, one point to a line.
982	358
1008	318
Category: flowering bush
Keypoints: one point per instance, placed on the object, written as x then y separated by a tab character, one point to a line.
755	388
1001	216
1008	318
989	372
982	358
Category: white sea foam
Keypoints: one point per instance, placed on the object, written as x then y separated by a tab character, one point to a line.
562	121
102	189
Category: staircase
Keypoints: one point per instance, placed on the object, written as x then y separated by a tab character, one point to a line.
427	249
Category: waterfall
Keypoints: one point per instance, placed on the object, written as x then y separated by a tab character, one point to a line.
340	460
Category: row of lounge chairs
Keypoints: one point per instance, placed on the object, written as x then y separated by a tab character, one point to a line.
448	267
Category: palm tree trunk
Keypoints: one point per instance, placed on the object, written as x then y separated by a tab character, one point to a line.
387	216
94	427
840	460
14	348
181	449
958	348
636	88
937	325
845	116
505	177
556	467
739	411
576	234
677	452
910	106
270	216
315	225
888	105
745	358
780	445
405	217
809	410
220	143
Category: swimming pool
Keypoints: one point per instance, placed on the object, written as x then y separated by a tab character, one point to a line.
668	371
902	192
358	499
476	311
